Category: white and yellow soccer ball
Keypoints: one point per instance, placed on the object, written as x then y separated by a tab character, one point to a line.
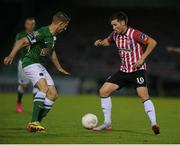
89	121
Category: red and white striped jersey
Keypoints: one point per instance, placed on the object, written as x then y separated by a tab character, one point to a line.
129	47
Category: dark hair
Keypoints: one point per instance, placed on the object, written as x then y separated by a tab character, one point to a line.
29	18
60	17
120	16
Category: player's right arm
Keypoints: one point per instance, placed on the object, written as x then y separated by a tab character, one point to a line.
105	42
25	41
56	63
17	46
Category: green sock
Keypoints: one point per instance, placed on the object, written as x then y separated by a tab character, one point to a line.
38	105
43	114
46	108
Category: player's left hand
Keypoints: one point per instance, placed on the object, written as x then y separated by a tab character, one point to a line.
8	60
139	63
64	72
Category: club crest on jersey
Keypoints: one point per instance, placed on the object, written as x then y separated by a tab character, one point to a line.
36	33
143	36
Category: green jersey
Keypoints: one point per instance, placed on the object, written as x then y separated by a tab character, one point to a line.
42	44
24	50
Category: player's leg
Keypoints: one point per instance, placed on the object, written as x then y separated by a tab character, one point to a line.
34	91
50	97
111	85
149	107
106	105
23	81
139	80
39	98
35	74
48	102
20	93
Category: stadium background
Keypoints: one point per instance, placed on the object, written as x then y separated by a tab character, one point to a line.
88	65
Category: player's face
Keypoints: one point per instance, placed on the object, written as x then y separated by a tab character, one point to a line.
30	25
62	27
118	26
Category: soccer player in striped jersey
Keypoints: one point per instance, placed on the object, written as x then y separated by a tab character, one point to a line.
23	81
132	70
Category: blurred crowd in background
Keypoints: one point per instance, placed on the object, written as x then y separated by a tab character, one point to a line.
90	66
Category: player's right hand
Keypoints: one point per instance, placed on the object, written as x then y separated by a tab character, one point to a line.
97	42
64	72
8	60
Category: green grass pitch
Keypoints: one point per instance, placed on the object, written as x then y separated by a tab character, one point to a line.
63	123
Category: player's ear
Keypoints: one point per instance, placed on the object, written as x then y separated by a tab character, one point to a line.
123	23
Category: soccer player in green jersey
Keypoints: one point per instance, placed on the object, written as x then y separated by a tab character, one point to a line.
41	44
23	81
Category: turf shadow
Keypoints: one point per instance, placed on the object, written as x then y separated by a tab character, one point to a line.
131	131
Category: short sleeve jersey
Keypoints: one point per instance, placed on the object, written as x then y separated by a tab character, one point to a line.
129	47
42	44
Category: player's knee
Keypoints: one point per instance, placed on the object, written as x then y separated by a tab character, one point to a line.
24	86
144	98
55	96
44	89
143	94
104	92
52	95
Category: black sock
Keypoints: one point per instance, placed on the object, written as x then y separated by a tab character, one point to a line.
19	97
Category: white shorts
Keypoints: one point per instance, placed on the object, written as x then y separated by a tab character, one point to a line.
22	78
36	71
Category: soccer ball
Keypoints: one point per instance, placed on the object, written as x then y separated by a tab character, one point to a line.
89	121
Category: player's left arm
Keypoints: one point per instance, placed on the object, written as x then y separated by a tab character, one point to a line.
150	45
55	61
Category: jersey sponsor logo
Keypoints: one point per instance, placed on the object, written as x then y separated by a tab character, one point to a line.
140	80
125	49
44	52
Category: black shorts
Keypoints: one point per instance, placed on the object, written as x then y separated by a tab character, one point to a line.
137	79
